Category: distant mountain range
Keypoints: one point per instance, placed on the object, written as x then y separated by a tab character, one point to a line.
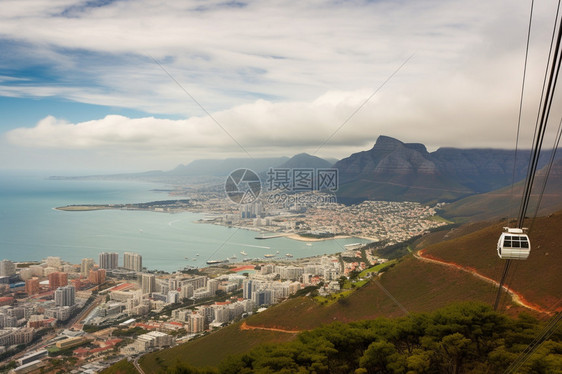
391	171
219	168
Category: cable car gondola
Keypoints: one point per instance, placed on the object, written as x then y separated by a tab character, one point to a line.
514	245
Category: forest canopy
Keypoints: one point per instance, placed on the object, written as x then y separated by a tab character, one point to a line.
460	338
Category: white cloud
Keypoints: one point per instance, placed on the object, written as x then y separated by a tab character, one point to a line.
279	77
226	56
266	127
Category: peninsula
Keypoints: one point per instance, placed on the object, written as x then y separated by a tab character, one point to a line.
168	206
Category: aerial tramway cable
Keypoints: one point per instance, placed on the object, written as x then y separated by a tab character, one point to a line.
548	169
540	128
549	87
521	101
541	338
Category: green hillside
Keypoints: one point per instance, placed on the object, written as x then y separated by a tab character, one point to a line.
538	278
211	349
460	338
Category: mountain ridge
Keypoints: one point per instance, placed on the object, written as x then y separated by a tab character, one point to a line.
391	171
395	171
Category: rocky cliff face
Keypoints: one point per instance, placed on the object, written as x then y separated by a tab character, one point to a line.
388	156
393	170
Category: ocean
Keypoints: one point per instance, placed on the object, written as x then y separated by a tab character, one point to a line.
31	229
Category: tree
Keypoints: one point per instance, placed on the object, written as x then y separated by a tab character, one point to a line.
342	280
377	357
454	349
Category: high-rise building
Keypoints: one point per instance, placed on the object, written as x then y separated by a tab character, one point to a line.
108	260
186	291
213	286
196	323
252	210
195	282
148	283
32	286
86	265
248	287
132	261
65	296
263	297
7	268
57	279
173	283
173	297
96	276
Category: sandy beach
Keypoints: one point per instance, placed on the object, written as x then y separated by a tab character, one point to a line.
307	239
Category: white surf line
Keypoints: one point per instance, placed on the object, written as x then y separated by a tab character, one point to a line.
171	223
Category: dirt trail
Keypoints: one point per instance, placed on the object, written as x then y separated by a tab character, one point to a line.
245	326
517	297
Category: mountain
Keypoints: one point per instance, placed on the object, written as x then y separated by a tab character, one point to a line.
196	171
213	168
304	160
505	202
397	171
223	167
220	168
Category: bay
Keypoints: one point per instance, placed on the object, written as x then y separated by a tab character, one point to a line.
31	229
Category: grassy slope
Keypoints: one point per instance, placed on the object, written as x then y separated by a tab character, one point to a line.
122	367
213	348
538	277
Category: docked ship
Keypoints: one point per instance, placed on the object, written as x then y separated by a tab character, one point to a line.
269	255
215	262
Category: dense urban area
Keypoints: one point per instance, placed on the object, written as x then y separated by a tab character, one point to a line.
83	317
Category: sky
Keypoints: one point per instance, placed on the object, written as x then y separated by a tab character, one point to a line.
126	86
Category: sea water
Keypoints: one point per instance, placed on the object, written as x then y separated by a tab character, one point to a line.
31	229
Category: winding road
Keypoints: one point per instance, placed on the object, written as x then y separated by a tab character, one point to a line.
517	297
244	326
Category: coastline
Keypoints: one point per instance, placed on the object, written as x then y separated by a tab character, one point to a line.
176	206
288	235
84	208
307	239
